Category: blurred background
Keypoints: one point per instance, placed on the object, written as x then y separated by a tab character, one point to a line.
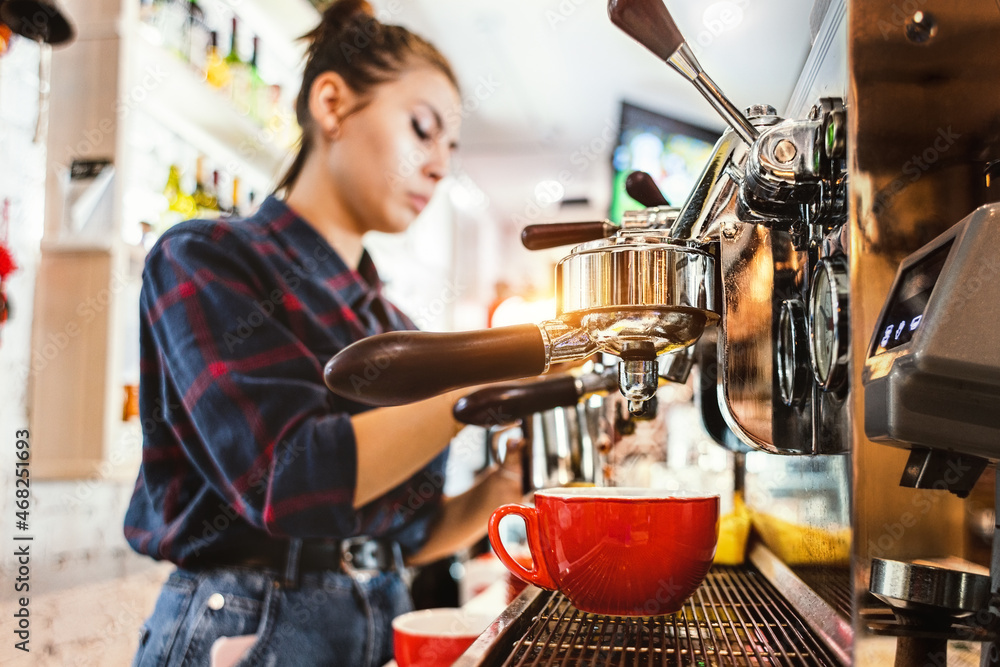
156	111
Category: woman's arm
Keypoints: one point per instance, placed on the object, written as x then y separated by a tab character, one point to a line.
462	521
394	443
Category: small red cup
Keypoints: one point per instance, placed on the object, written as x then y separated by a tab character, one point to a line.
435	637
616	551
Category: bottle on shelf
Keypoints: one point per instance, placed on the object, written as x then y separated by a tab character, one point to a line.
148	10
239	77
205	200
217	191
180	205
281	120
258	89
235	209
196	36
170	20
216	69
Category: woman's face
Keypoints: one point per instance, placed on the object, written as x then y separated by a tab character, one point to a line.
389	155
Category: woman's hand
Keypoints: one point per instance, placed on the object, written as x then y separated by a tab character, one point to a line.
463	519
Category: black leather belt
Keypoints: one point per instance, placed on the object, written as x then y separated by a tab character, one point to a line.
355	555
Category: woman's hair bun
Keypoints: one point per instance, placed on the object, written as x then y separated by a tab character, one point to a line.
341	13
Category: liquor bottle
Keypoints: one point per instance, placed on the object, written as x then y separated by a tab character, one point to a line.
258	89
204	198
171	22
147	11
217	191
196	38
216	69
239	77
180	205
235	210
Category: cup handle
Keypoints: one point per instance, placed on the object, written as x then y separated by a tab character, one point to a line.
538	574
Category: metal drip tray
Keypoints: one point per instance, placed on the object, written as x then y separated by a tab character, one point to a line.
735	618
832	584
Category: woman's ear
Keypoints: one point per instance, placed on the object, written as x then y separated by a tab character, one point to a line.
330	99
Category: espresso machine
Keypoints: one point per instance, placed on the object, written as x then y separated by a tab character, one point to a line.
832	277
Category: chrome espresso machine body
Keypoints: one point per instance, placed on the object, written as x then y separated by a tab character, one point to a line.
832	278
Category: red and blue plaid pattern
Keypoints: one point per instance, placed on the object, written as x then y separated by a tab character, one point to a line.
242	441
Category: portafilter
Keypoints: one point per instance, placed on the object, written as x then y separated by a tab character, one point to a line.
636	295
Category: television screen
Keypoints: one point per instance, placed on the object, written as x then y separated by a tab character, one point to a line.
671	151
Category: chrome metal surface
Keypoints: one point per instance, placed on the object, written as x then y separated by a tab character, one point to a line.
785	151
491	646
638	380
830	625
831	583
925	588
562	447
713	200
735	618
829	323
785	171
768	219
565	343
637	289
684	61
753	289
676	366
792	355
654	217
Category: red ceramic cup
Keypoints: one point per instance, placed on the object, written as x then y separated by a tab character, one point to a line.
514	583
618	551
435	637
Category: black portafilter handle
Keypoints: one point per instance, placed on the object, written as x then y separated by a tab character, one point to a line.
407	366
503	404
641	187
555	234
649	23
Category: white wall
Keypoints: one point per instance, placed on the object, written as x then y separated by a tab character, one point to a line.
88	592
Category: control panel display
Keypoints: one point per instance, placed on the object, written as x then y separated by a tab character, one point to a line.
909	300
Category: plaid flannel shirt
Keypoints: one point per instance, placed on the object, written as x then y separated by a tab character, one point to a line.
242	441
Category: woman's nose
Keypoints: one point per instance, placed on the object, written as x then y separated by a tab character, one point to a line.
438	161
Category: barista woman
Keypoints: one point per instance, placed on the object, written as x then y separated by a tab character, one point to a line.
288	510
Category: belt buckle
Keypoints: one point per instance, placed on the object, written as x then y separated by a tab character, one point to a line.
356	553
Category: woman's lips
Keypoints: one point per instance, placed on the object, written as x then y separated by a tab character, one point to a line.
419	202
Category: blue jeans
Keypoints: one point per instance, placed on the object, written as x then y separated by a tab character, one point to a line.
330	619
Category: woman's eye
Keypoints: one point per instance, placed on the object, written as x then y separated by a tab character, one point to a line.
423	133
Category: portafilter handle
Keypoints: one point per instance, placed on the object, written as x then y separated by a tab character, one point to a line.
649	23
555	234
407	366
502	404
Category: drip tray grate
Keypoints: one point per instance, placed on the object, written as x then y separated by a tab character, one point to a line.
735	618
832	584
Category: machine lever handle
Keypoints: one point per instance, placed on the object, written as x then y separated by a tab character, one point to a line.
552	235
503	404
649	23
641	187
406	366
